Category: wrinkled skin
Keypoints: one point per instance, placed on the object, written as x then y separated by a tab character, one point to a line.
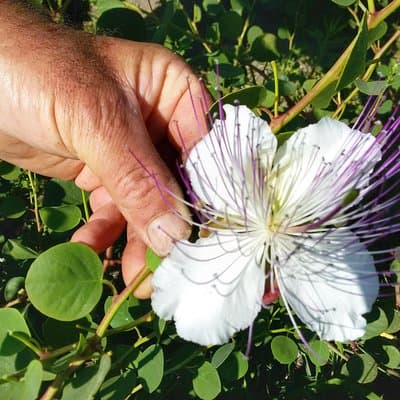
103	112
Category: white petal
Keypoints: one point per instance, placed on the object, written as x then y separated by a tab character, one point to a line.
212	288
223	167
317	167
329	282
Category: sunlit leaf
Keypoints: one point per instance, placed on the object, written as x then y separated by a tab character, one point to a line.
65	282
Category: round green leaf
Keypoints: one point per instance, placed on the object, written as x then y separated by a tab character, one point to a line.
58	192
122	23
11	320
251	96
320	355
12	207
65	282
150	367
377	322
395	323
61	218
230	25
18	251
392	356
234	367
123	316
344	3
87	381
27	388
264	47
361	368
207	384
372	88
254	32
9	172
12	287
222	354
284	349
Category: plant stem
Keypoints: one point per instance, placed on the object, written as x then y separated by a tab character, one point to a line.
367	74
111	287
371	6
33	185
333	74
148	317
59	380
276	87
118	300
85	205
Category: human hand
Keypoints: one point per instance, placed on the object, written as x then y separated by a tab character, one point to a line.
95	109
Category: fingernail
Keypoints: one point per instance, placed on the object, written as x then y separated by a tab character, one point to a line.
164	231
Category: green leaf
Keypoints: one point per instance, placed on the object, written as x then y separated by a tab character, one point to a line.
122	317
372	88
196	13
386	107
230	25
377	322
18	251
254	32
393	356
207	384
252	97
61	333
65	282
9	172
11	321
118	387
322	99
222	354
377	32
395	323
122	23
284	349
12	207
27	388
152	260
344	3
61	218
355	63
150	367
234	367
58	192
12	287
321	351
361	368
87	381
264	47
104	5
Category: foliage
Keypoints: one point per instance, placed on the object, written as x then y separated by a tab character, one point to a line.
61	331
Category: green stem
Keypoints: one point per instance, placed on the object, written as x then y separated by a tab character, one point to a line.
178	366
26	341
33	185
45	355
118	300
59	380
148	317
333	74
276	87
367	74
371	6
377	17
85	205
111	286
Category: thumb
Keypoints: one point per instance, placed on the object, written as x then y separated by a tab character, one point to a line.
123	157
